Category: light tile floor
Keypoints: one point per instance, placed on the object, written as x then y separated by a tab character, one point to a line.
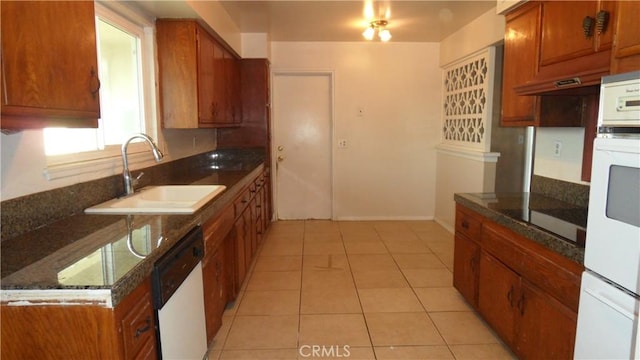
354	290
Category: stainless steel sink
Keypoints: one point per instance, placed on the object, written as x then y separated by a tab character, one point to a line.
165	199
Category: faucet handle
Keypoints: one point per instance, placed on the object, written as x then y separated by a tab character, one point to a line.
135	181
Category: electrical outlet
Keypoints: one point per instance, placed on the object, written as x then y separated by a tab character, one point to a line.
557	148
342	143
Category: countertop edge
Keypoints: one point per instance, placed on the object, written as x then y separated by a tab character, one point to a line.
65	297
544	238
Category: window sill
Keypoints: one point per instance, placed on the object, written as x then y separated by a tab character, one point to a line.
109	166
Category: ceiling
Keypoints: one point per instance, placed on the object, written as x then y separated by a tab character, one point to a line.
329	20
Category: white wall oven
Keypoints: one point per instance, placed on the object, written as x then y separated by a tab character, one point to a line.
608	326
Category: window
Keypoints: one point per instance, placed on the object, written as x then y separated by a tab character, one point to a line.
125	108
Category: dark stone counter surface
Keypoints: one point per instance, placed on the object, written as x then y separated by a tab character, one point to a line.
111	254
555	224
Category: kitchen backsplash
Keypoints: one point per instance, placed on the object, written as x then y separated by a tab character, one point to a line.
26	213
569	192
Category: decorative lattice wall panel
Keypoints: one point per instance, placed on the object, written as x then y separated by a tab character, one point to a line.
468	90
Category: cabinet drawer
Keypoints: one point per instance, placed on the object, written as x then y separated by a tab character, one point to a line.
241	203
501	246
553	273
468	223
138	324
217	229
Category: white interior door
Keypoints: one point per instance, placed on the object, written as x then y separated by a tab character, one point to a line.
302	118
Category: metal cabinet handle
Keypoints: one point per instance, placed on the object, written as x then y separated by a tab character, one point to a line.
510	296
145	328
465	224
602	20
587	26
95	89
521	304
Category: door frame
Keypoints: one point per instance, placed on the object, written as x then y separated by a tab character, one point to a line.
331	76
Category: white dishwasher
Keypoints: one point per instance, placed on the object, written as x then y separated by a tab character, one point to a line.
179	300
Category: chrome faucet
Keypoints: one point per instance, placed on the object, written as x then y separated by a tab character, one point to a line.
128	181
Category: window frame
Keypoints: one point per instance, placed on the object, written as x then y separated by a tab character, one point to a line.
68	165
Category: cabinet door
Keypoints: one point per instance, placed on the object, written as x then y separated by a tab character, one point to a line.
521	43
177	73
466	257
626	50
49	66
214	292
219	86
254	104
206	78
546	328
261	226
240	252
563	36
250	234
232	78
136	323
499	291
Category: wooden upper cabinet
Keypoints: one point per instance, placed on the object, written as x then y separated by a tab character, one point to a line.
206	77
191	76
49	65
521	43
232	95
178	77
626	48
220	85
563	34
254	110
572	53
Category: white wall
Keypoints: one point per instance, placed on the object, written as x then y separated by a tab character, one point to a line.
388	169
256	46
217	18
482	32
567	166
460	173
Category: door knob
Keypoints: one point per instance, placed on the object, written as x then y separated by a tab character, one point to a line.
280	158
280	148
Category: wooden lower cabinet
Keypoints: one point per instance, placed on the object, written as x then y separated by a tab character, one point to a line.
215	291
230	248
534	324
497	297
248	229
82	331
546	328
526	293
465	264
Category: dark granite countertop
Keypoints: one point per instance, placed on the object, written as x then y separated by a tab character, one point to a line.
78	256
555	224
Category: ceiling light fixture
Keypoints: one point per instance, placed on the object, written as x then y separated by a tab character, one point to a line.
380	27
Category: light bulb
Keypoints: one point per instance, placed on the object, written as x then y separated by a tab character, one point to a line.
384	35
368	33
